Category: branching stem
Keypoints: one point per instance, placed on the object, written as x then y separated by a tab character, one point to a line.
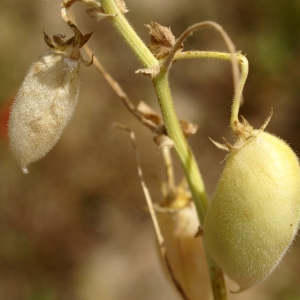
187	159
244	69
174	131
131	38
238	88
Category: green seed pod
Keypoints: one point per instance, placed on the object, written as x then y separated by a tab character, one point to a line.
46	100
254	214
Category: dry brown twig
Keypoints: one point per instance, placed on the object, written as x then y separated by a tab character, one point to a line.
151	208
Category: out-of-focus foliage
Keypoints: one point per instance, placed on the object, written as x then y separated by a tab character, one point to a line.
73	228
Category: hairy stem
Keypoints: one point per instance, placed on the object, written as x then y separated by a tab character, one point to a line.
174	131
181	146
131	38
244	69
164	95
191	171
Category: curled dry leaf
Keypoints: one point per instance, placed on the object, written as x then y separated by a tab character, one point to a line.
149	113
188	128
162	40
163	141
97	13
151	72
91	3
47	98
122	6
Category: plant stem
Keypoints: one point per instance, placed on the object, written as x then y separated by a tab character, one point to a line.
236	103
181	146
244	69
164	95
174	131
191	172
217	280
131	38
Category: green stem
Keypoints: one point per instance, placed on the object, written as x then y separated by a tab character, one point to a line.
217	280
131	38
181	146
236	103
173	128
185	155
191	171
244	69
203	54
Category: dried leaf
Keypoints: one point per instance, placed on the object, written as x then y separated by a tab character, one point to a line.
220	146
188	128
98	13
149	113
162	40
162	140
152	72
91	3
122	6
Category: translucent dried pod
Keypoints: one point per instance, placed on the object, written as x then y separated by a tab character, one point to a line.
179	224
254	214
47	98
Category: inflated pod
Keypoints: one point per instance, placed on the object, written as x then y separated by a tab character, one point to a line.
46	100
254	213
179	225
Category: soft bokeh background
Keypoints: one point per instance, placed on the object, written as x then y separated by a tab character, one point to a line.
74	227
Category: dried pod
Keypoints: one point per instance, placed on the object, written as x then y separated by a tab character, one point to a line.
47	99
179	224
254	214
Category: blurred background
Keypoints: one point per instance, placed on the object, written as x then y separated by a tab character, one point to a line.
74	227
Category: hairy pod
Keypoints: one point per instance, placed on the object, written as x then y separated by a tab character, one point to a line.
46	100
254	213
185	251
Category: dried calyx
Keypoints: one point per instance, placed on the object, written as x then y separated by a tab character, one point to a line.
70	48
243	132
162	40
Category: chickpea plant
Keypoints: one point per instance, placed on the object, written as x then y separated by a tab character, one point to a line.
255	211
